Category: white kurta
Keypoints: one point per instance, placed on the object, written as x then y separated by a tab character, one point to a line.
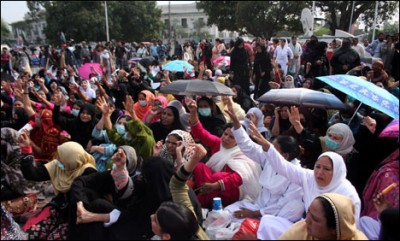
305	178
278	197
282	56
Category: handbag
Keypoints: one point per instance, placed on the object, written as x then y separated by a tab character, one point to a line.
21	205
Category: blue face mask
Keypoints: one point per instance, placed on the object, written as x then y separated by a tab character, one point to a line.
330	144
205	111
142	103
60	165
120	129
75	112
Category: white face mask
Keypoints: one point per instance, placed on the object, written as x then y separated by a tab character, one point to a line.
142	103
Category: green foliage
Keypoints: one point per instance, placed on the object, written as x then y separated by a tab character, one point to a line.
259	18
220	13
5	31
392	29
334	11
85	20
322	31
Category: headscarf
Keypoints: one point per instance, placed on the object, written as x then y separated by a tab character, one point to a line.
11	166
260	123
141	110
288	84
183	115
22	118
346	146
346	228
236	108
47	136
75	160
339	171
186	139
164	103
10	148
248	170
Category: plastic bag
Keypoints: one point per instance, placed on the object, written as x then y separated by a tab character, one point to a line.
248	230
215	222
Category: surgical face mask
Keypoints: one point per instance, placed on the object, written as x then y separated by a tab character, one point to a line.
60	165
120	129
205	111
75	112
330	144
142	103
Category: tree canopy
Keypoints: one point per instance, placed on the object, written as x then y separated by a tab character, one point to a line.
85	20
265	18
269	17
5	31
334	11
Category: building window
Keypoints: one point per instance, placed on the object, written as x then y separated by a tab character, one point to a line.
184	23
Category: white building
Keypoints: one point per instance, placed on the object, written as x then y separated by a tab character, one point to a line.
188	22
33	31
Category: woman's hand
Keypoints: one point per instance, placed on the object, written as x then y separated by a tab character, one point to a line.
157	148
102	104
209	187
24	140
119	159
370	123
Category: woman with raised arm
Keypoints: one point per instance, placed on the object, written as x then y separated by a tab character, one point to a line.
329	175
228	174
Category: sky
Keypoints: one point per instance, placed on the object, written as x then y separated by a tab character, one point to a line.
14	11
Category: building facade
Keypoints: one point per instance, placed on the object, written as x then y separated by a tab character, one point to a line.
189	23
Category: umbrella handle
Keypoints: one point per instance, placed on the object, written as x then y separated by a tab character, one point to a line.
355	113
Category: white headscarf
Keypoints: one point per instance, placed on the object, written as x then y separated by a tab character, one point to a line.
343	130
260	123
339	184
248	170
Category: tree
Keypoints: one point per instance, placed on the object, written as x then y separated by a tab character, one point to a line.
85	20
364	9
5	31
220	13
267	17
135	20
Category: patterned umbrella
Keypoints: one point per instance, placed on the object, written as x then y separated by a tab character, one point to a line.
366	92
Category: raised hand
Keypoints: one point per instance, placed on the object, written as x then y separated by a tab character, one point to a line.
102	104
129	105
294	115
119	159
157	148
370	123
257	136
191	105
24	139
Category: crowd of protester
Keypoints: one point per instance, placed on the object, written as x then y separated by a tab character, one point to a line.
110	157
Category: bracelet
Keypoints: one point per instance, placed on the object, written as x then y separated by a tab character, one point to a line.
26	93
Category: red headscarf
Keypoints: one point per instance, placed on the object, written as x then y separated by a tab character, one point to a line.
141	110
47	137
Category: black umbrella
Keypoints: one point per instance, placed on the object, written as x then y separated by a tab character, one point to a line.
146	61
302	97
196	87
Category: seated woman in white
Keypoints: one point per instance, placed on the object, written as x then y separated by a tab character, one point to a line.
278	197
329	175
